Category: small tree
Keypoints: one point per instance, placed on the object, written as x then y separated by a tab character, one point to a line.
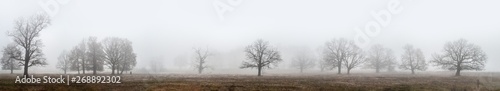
380	58
412	59
64	62
260	56
460	55
355	58
200	59
10	58
302	61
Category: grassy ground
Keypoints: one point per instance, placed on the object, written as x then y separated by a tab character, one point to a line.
323	82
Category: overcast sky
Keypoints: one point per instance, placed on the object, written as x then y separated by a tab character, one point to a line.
166	29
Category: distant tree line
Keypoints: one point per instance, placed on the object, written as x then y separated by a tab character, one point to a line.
91	55
118	55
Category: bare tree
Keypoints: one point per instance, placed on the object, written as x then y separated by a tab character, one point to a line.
26	34
260	56
119	54
64	62
355	58
95	55
302	61
74	57
337	51
412	59
10	59
200	59
129	60
380	58
460	55
82	55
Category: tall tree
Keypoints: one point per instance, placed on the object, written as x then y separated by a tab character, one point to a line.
412	59
260	56
10	58
355	58
82	55
460	55
380	58
95	55
118	54
129	58
26	34
337	51
302	61
64	62
200	59
74	57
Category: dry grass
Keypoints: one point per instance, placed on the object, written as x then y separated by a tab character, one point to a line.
325	82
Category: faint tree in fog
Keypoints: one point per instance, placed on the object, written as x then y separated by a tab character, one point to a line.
261	55
64	62
337	51
95	55
129	57
11	57
200	59
380	58
460	55
412	59
180	61
26	34
355	58
302	61
81	53
76	62
118	54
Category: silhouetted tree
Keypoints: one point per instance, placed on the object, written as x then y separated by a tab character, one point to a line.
380	58
119	54
11	57
260	56
412	59
200	59
26	34
64	62
355	58
95	55
339	51
460	55
302	61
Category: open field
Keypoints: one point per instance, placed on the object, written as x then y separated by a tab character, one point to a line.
310	82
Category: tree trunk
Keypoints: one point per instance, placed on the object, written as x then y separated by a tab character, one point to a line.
26	62
64	71
301	69
377	70
11	67
112	69
412	71
94	67
83	65
348	71
259	68
339	67
458	72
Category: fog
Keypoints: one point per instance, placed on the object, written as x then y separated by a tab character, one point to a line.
168	30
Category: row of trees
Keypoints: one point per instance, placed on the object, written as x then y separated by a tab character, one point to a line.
342	53
116	53
26	50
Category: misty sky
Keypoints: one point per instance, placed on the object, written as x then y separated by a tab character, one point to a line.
168	29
